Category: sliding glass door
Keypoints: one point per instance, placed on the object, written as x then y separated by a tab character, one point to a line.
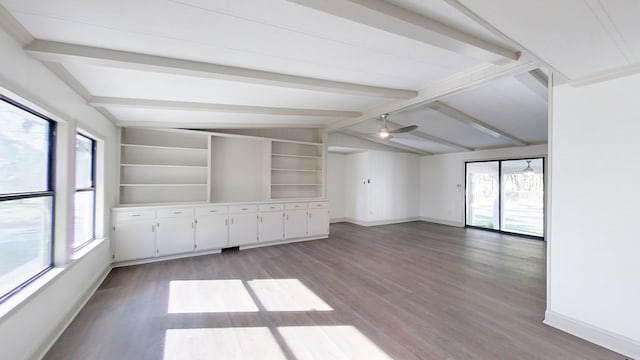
506	195
483	194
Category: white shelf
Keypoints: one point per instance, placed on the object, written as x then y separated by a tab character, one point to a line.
163	185
163	147
296	170
166	166
298	156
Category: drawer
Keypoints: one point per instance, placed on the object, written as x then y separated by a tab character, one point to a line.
175	212
211	210
271	207
121	216
319	205
243	208
296	206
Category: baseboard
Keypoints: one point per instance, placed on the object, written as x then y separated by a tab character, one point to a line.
75	310
282	242
163	258
596	335
381	222
337	220
443	222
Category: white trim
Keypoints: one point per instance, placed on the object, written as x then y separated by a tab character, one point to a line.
337	220
442	222
281	242
164	258
381	222
71	315
594	334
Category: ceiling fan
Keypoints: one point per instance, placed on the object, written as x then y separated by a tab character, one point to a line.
385	133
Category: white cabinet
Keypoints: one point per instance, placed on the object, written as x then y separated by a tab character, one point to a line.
212	230
160	231
295	225
243	225
318	219
175	231
134	235
271	225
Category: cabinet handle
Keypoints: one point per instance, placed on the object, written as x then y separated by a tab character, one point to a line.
260	218
226	222
153	228
135	215
231	221
244	209
287	216
213	210
177	212
192	225
272	207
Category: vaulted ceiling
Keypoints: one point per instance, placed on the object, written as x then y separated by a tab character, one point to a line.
301	63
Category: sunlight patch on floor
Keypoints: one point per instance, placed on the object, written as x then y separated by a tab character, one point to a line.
221	343
330	342
209	296
287	295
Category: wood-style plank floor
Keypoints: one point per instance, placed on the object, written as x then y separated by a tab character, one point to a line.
405	291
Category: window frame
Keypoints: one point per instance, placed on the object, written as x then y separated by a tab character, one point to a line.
49	192
499	230
92	188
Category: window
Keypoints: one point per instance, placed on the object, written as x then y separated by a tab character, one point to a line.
506	196
26	195
85	196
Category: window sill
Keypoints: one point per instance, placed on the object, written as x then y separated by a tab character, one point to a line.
24	295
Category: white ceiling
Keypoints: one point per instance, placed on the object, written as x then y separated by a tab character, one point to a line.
310	63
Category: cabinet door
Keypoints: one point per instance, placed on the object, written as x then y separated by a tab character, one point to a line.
134	240
295	224
271	226
212	232
175	235
318	222
243	229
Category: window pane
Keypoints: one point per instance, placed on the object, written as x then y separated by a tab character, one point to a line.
24	145
482	194
25	238
523	197
84	162
83	217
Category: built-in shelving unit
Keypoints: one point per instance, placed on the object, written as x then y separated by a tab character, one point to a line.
163	166
296	170
159	166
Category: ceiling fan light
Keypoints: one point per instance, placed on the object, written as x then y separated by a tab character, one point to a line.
384	133
528	170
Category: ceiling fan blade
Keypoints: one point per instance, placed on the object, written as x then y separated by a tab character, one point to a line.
404	129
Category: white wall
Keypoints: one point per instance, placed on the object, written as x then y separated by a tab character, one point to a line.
28	329
336	179
593	249
376	187
441	200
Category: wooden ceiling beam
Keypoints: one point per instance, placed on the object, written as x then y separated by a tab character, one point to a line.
449	87
474	123
394	19
64	52
211	107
